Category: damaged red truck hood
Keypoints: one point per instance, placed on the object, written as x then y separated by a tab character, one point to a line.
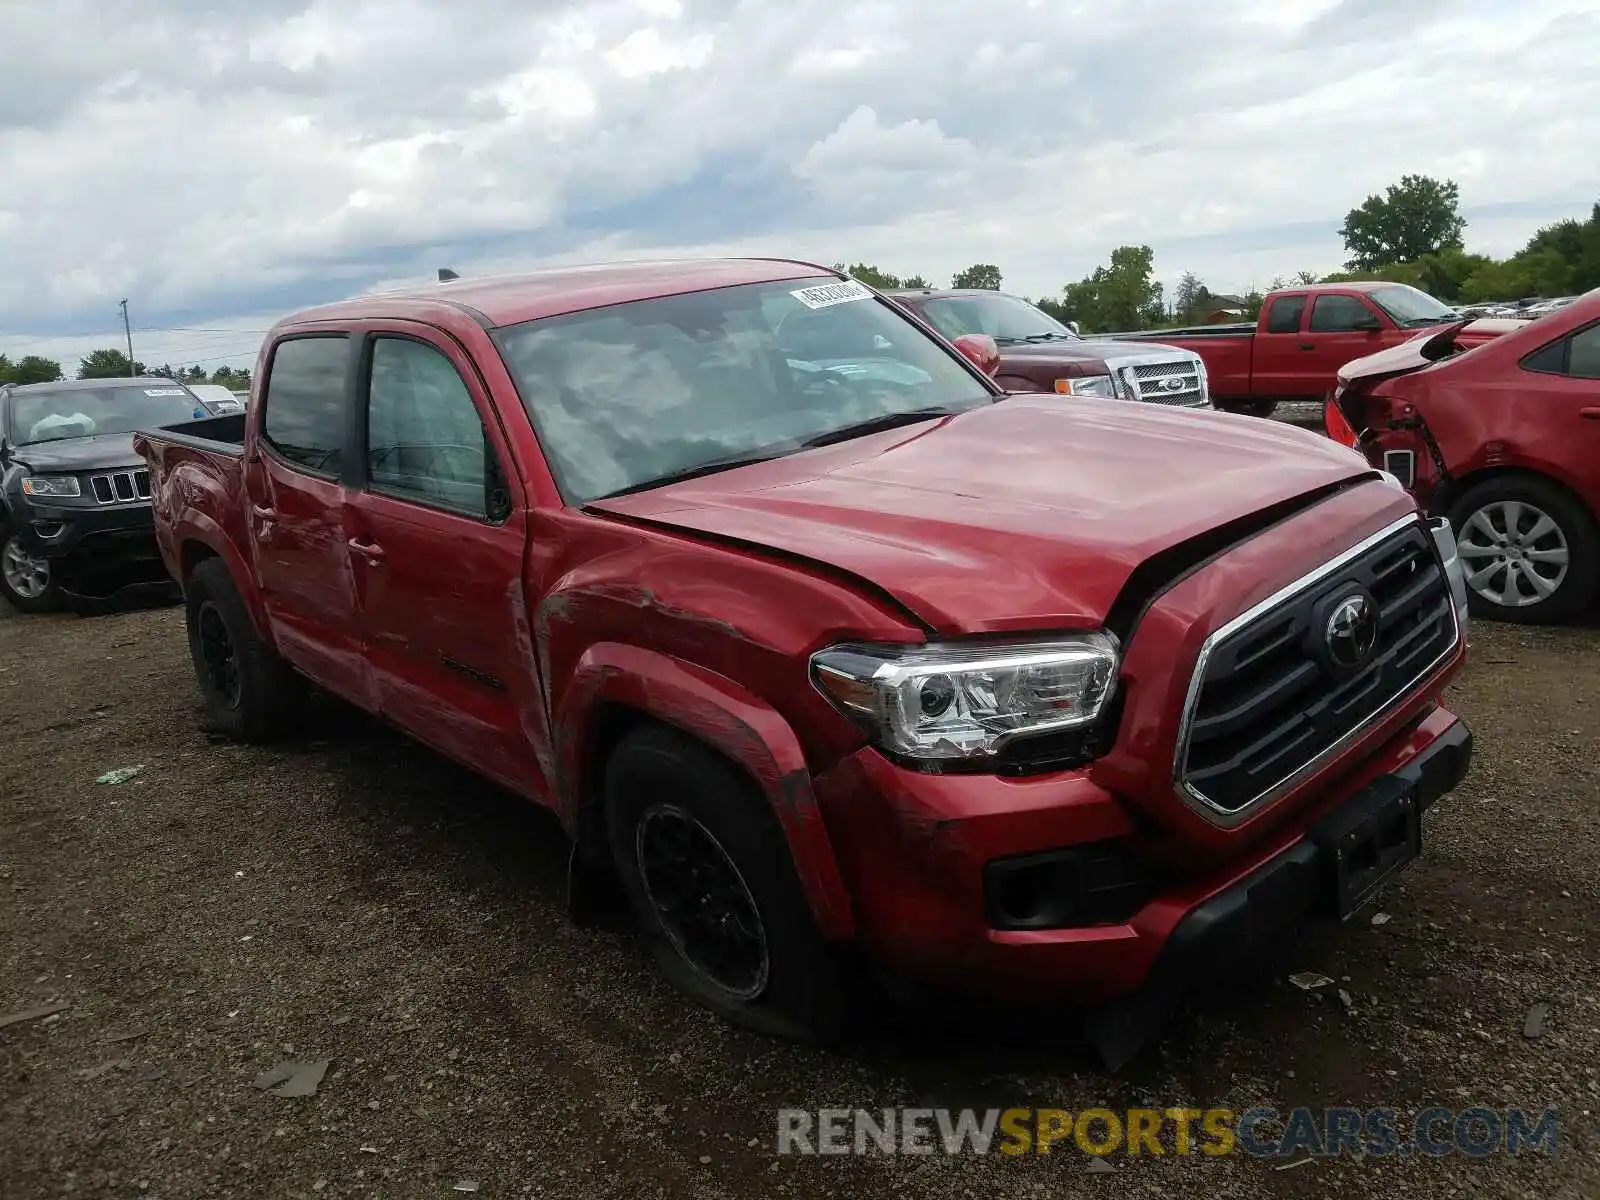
1027	514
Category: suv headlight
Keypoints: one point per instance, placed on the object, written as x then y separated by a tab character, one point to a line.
1087	385
959	701
51	485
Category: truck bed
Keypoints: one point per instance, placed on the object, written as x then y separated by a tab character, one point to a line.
1232	329
196	479
215	435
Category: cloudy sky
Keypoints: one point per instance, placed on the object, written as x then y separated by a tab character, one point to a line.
220	162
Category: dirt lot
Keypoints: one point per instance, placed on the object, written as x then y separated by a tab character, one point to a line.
357	899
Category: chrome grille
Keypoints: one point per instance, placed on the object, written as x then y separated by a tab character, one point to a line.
1267	706
121	487
1149	382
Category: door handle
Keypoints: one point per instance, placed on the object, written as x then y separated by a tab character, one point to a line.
264	511
368	550
1591	414
1308	345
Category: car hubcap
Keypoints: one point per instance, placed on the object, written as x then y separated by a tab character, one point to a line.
1515	553
702	901
27	576
216	651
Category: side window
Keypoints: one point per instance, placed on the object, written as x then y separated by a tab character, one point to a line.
1583	360
1577	354
1284	315
304	401
425	441
1339	314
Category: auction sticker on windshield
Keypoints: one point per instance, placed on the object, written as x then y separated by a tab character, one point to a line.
165	392
832	293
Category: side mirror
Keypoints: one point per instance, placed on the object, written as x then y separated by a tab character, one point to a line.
1367	324
1073	325
980	350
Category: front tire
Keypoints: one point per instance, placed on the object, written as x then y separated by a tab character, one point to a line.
26	580
709	876
1250	408
1530	549
250	694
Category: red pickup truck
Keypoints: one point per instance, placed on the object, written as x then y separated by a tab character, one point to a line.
1504	439
1294	349
824	649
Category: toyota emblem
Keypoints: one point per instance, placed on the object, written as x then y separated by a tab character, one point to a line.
1352	631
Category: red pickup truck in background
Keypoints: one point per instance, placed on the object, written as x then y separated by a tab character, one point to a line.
1294	349
1504	439
823	647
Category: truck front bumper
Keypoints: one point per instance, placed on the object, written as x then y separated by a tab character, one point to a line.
100	553
916	849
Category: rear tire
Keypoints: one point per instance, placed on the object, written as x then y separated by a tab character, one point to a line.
708	873
250	694
1532	546
27	582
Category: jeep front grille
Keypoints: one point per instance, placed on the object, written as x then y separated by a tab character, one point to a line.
1268	704
1176	383
121	487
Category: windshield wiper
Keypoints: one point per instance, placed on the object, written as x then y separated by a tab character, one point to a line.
707	468
1049	337
877	425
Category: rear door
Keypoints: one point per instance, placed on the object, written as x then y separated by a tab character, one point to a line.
1558	404
438	530
1275	352
296	495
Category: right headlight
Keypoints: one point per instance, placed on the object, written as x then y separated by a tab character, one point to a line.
1088	385
51	486
963	701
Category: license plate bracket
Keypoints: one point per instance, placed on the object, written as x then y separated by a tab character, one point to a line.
1367	841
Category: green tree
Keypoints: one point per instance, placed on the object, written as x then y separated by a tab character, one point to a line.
978	275
234	378
873	277
107	364
1578	244
35	368
915	281
1187	298
1419	215
1120	296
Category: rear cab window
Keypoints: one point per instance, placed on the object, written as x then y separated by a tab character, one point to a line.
1283	316
304	401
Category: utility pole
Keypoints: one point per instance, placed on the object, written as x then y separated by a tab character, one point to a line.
128	330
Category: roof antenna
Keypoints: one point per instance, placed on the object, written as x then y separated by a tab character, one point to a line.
446	275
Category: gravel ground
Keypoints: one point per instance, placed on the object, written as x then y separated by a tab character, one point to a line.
355	898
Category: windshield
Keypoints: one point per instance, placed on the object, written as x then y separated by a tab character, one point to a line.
1409	306
1006	319
636	394
55	416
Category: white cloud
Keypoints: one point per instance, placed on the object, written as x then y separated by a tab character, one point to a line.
208	158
